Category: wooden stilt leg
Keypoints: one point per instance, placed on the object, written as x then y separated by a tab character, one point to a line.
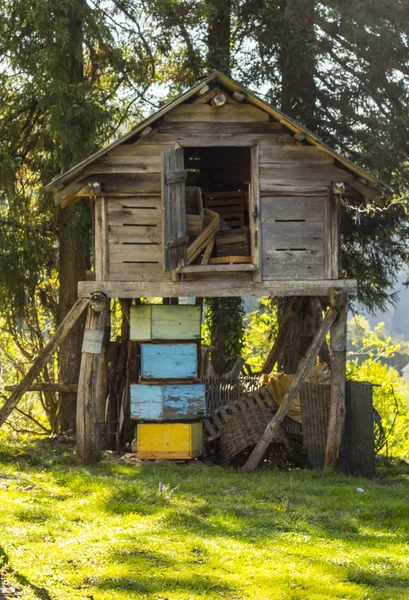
338	366
87	435
302	371
44	356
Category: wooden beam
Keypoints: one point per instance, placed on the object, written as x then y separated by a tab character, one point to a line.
43	386
43	358
282	335
239	96
209	288
338	367
88	442
302	371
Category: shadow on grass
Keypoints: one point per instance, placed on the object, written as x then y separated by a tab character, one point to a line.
378	581
146	584
39	592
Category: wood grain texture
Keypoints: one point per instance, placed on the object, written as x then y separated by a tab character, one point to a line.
169	361
166	322
225	288
174	210
88	444
167	402
169	440
101	239
227	113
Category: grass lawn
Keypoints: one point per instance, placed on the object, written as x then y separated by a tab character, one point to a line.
106	533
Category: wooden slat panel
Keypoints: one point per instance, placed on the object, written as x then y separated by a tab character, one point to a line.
135	252
126	164
287	208
119	234
130	201
129	183
227	113
169	361
291	236
138	272
285	174
210	128
218	139
134	216
293	264
147	149
271	153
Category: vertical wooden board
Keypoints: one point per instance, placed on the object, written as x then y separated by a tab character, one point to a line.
359	429
141	323
169	361
169	440
315	405
181	322
174	210
146	402
254	213
101	239
183	401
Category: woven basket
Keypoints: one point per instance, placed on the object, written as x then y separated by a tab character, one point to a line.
244	430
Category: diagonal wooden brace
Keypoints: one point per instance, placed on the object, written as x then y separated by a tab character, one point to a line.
46	353
303	368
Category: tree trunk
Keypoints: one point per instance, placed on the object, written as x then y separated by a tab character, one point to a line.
297	61
73	266
73	239
218	34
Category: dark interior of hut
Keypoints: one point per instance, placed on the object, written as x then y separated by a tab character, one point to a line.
217	203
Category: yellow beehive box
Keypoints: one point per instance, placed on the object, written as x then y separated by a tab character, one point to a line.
169	440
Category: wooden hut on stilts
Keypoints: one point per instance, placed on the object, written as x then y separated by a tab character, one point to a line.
216	194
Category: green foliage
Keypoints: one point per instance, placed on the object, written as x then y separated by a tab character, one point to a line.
224	323
261	329
390	392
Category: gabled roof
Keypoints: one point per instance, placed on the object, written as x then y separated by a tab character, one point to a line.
231	86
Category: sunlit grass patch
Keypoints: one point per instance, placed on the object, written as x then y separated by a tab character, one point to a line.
112	533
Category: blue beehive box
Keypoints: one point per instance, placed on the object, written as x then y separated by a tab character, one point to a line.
169	361
168	402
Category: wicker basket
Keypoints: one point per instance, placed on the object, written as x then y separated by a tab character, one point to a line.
244	430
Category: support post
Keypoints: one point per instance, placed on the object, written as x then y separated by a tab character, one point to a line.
46	353
302	371
87	436
338	366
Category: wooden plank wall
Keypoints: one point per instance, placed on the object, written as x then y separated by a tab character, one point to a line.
293	188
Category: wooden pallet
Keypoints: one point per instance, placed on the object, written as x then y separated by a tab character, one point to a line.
260	398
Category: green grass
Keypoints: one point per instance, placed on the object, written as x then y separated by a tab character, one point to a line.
106	533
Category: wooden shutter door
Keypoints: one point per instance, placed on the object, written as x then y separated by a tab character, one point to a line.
174	210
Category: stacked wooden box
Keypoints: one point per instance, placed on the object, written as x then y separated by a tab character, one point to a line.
168	398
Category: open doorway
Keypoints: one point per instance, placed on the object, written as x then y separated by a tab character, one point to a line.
217	206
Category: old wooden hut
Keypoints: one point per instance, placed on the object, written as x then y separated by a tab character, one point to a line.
216	194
